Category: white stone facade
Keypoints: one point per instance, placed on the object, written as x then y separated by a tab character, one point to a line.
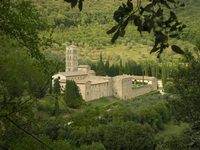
93	87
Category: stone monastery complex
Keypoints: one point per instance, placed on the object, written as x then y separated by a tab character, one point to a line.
93	87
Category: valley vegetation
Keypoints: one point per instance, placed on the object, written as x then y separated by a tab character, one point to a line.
36	115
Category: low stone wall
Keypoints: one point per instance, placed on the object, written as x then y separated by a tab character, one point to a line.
141	91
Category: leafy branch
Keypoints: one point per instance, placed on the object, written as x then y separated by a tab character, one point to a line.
155	16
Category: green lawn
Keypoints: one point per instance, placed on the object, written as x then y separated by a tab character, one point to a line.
102	102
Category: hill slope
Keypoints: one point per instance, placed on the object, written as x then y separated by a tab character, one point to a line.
88	29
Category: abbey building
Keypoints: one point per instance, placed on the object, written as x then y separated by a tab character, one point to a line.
94	87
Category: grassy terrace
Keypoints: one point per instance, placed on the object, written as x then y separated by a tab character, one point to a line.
144	101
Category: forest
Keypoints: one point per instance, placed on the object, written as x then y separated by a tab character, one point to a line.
35	115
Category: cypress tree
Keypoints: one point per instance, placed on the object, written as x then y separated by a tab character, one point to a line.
101	66
56	87
56	92
120	67
107	67
72	94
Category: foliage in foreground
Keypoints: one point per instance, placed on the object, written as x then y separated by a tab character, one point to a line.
18	121
96	125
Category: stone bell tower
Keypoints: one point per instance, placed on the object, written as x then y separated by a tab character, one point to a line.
71	58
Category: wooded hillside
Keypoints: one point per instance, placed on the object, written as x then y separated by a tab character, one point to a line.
88	29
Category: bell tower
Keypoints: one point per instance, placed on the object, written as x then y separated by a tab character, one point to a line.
71	58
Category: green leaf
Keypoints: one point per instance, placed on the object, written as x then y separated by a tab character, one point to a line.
173	15
148	8
80	5
182	5
74	3
174	35
173	28
159	12
177	49
130	4
137	21
122	33
154	49
68	1
184	26
115	36
166	4
112	30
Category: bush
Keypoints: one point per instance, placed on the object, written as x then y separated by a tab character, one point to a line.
86	118
84	136
46	104
172	143
128	135
169	87
76	103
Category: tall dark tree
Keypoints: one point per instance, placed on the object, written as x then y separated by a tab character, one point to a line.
187	83
56	92
72	95
107	67
56	87
121	70
100	66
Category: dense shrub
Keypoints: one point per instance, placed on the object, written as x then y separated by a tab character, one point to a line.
169	87
87	117
128	135
84	136
172	143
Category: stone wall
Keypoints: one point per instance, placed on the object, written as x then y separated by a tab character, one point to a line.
99	86
141	91
76	78
95	87
83	88
99	90
122	86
